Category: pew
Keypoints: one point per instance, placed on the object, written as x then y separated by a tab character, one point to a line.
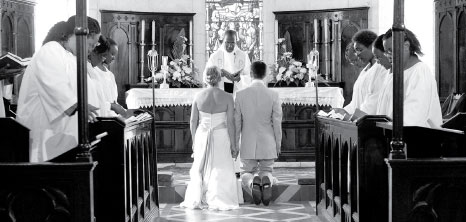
119	185
356	185
126	177
351	173
430	185
40	192
427	189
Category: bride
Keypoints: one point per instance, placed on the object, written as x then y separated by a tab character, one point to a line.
213	182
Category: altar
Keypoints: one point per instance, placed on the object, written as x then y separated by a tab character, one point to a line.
173	110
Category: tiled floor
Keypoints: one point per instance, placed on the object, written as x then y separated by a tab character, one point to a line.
289	211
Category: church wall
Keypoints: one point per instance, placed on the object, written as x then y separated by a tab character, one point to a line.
419	18
380	18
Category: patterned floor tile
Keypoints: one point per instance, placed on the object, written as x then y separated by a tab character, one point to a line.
289	211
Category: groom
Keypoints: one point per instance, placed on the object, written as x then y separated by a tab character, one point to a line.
258	118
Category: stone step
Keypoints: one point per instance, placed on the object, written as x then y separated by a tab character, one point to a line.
280	193
295	182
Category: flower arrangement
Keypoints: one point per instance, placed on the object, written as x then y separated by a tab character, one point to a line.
289	72
180	74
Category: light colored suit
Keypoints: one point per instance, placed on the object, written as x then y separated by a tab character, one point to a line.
258	118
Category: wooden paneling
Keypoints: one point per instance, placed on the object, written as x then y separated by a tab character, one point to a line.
446	69
300	26
125	29
17	27
462	51
450	46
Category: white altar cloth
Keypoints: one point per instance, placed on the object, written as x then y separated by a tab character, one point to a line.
142	97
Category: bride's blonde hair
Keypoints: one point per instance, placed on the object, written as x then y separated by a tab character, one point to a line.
213	76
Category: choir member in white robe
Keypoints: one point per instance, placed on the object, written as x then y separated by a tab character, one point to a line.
233	62
367	86
421	101
102	56
48	95
95	91
376	81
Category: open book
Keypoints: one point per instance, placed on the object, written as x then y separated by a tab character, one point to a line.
343	116
11	65
12	61
138	118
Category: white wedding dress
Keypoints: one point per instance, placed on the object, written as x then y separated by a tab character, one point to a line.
213	183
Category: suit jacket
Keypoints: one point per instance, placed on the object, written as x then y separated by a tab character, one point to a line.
258	119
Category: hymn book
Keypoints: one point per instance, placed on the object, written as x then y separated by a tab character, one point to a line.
12	65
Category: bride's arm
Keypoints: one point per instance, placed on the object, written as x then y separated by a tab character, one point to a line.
231	125
194	122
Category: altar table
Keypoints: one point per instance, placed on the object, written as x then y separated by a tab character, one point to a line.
173	111
142	97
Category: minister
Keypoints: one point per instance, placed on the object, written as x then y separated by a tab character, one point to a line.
233	62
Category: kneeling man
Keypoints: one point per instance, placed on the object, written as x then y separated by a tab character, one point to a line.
258	119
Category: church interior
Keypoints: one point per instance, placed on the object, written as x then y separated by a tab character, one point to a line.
359	166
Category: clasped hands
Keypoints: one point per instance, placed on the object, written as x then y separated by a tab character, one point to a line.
234	77
92	112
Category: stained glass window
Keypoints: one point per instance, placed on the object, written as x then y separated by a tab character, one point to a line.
242	16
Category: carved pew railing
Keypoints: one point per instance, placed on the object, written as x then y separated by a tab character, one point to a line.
427	189
354	179
430	185
351	173
41	192
122	180
126	177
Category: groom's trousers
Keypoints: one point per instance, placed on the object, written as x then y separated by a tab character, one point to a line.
253	167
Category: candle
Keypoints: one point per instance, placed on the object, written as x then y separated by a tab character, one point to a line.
276	39
153	31
164	60
143	23
326	34
190	31
316	31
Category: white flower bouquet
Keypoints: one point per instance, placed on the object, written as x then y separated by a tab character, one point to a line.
289	72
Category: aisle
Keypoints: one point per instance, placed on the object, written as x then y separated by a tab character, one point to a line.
287	211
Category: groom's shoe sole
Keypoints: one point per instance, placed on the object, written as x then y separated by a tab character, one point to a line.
266	190
256	190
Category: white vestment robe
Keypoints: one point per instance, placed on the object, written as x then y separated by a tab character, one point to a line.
360	88
421	101
231	62
95	89
48	89
109	89
374	82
